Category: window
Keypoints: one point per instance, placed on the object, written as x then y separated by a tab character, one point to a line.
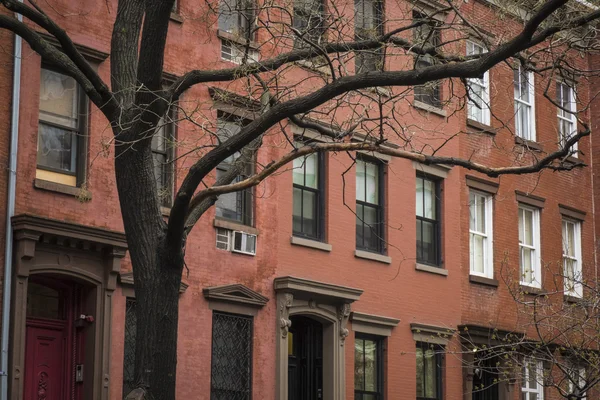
61	132
428	221
236	17
532	380
231	362
368	24
369	206
429	371
427	35
571	233
486	377
567	123
309	19
577	381
529	246
368	368
162	155
480	234
479	90
236	206
524	104
129	347
309	196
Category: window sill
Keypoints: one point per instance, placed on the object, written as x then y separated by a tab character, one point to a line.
479	127
175	17
367	255
74	191
429	108
430	269
224	35
310	65
165	211
313	244
483	280
572	299
530	144
379	90
574	161
234	226
532	290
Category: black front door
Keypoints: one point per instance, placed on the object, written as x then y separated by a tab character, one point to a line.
305	359
485	379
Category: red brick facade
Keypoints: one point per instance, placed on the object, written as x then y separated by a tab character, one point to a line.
397	290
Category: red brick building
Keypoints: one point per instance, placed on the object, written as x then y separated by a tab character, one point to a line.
311	313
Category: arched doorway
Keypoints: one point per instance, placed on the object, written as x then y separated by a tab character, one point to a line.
54	339
305	359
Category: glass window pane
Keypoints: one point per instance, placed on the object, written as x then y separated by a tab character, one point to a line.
430	374
420	197
311	171
420	372
298	171
528	228
372	183
359	367
59	99
43	302
480	214
477	253
359	225
371	232
371	365
297	210
472	211
360	180
426	242
526	265
429	200
56	148
309	206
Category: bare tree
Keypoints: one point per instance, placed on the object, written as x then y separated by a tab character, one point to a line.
356	84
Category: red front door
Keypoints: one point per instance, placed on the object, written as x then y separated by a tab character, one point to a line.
46	371
50	339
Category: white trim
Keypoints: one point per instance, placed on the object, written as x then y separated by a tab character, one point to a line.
536	262
581	381
526	390
483	83
488	236
574	289
530	106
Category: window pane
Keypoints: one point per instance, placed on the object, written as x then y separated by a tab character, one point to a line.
58	99
359	367
526	265
360	180
312	171
429	199
420	372
371	239
426	242
56	148
420	197
229	206
372	183
370	366
309	206
297	210
43	302
477	253
359	225
298	171
430	374
480	209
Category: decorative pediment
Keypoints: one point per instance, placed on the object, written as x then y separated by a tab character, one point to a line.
235	293
127	280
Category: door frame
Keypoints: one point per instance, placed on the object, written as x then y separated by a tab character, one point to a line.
73	252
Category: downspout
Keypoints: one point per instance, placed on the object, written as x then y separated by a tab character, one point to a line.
10	211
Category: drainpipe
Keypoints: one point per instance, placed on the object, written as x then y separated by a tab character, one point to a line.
10	211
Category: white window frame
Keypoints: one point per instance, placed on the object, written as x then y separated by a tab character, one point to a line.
484	83
536	247
488	241
539	389
574	289
567	116
530	105
582	377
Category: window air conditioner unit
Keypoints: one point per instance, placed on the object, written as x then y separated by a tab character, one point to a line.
244	243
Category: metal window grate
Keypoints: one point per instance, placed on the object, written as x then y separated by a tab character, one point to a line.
129	348
231	372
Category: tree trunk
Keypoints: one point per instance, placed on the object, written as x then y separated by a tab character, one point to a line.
156	270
